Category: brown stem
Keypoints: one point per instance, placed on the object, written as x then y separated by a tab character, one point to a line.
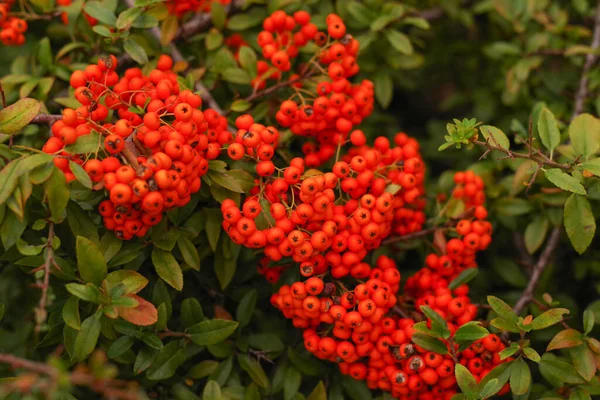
41	314
590	60
536	156
3	96
538	268
173	334
42	119
411	236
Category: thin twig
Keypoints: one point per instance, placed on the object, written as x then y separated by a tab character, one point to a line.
111	389
538	268
411	236
3	96
43	119
537	156
40	313
278	86
590	60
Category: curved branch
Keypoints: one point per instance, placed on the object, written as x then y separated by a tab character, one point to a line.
538	268
590	60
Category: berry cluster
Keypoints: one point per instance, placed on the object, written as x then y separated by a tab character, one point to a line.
326	220
153	155
183	7
359	327
328	111
12	29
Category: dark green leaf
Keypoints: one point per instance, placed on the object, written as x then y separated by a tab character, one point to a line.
212	331
58	195
464	277
254	369
429	343
90	261
85	292
89	143
470	331
120	346
137	52
502	309
245	308
520	377
535	233
70	313
87	337
167	268
399	41
97	10
170	357
191	312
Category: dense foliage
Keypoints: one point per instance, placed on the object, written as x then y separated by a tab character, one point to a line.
213	199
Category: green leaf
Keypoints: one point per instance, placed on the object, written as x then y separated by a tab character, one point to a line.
191	312
548	130
189	253
495	136
240	105
80	174
144	359
549	318
464	277
500	373
384	88
564	181
89	143
579	393
535	233
318	393
214	218
513	207
70	313
82	225
127	17
85	292
168	29
167	268
246	307
203	369
436	319
214	39
137	52
10	174
212	391
561	371
291	382
466	381
508	352
120	346
247	59
584	361
212	331
266	342
584	132
58	193
579	221
218	15
166	240
248	19
531	354
236	75
502	309
99	11
87	337
254	369
132	281
90	261
102	31
2	310
399	41
565	339
470	331
170	357
17	116
356	390
592	166
520	377
589	320
429	343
